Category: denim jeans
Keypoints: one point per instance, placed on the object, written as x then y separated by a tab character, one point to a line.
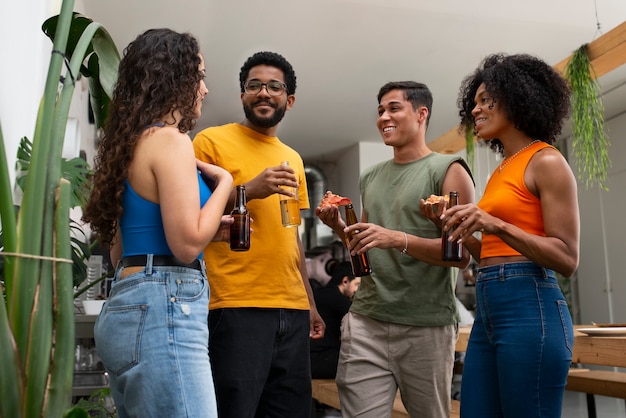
520	347
152	338
261	362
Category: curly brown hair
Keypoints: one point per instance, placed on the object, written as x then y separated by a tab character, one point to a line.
158	75
534	96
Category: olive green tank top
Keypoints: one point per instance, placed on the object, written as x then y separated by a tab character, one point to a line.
402	289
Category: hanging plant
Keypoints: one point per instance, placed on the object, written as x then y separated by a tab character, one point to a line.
590	141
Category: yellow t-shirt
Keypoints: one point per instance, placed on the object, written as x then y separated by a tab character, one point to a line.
267	275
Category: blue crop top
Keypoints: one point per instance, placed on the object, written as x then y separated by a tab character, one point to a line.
141	225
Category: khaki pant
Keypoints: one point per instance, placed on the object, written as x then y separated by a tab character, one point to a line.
379	357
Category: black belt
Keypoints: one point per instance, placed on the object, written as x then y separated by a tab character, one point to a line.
159	260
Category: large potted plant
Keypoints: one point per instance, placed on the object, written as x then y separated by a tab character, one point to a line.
37	319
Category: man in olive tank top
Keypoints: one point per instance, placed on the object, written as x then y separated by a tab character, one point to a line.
403	323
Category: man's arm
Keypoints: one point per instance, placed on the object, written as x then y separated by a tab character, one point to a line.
317	323
425	249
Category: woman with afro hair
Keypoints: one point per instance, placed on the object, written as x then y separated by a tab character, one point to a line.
157	207
520	347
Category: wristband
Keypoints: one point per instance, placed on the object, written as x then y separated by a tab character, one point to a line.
406	243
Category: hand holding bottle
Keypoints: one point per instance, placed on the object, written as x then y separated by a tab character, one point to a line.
451	250
360	262
223	232
464	220
271	181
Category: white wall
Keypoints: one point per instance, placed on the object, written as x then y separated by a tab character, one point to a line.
23	74
25	52
601	279
344	177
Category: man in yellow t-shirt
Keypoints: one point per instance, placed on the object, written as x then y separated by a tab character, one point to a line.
262	311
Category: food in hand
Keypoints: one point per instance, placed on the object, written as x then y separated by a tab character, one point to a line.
330	199
434	199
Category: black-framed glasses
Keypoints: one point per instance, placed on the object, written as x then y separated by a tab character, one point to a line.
274	88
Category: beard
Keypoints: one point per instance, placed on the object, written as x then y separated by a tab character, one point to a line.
264	121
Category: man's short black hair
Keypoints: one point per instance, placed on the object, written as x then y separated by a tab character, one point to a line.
341	270
273	60
417	93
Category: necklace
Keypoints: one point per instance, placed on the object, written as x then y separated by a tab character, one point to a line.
506	161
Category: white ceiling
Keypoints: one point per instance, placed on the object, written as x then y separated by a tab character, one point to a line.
343	51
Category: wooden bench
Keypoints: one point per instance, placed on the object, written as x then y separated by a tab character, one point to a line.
325	391
596	382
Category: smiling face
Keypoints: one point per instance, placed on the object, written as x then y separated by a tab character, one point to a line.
490	121
398	123
263	110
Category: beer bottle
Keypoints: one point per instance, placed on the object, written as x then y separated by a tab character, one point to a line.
451	250
360	262
240	229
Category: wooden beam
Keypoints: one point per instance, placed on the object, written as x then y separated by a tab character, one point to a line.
606	53
449	143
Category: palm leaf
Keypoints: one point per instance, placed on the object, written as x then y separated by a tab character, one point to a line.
76	171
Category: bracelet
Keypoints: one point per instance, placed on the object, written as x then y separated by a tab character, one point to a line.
406	244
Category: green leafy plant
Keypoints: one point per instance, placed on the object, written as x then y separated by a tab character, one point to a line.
590	141
96	405
37	320
76	171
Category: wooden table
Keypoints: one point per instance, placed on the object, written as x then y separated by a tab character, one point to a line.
604	350
461	343
597	350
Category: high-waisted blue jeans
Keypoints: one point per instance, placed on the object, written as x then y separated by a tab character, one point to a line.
152	337
520	347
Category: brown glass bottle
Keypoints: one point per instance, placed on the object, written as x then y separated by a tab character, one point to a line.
360	262
451	251
240	229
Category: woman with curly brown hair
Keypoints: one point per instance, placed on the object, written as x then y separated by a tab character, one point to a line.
520	347
152	204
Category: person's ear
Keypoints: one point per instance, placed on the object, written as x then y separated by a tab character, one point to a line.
291	99
422	112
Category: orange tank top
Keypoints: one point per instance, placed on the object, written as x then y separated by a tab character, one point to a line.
507	197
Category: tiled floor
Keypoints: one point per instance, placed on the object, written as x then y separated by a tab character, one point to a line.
574	406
